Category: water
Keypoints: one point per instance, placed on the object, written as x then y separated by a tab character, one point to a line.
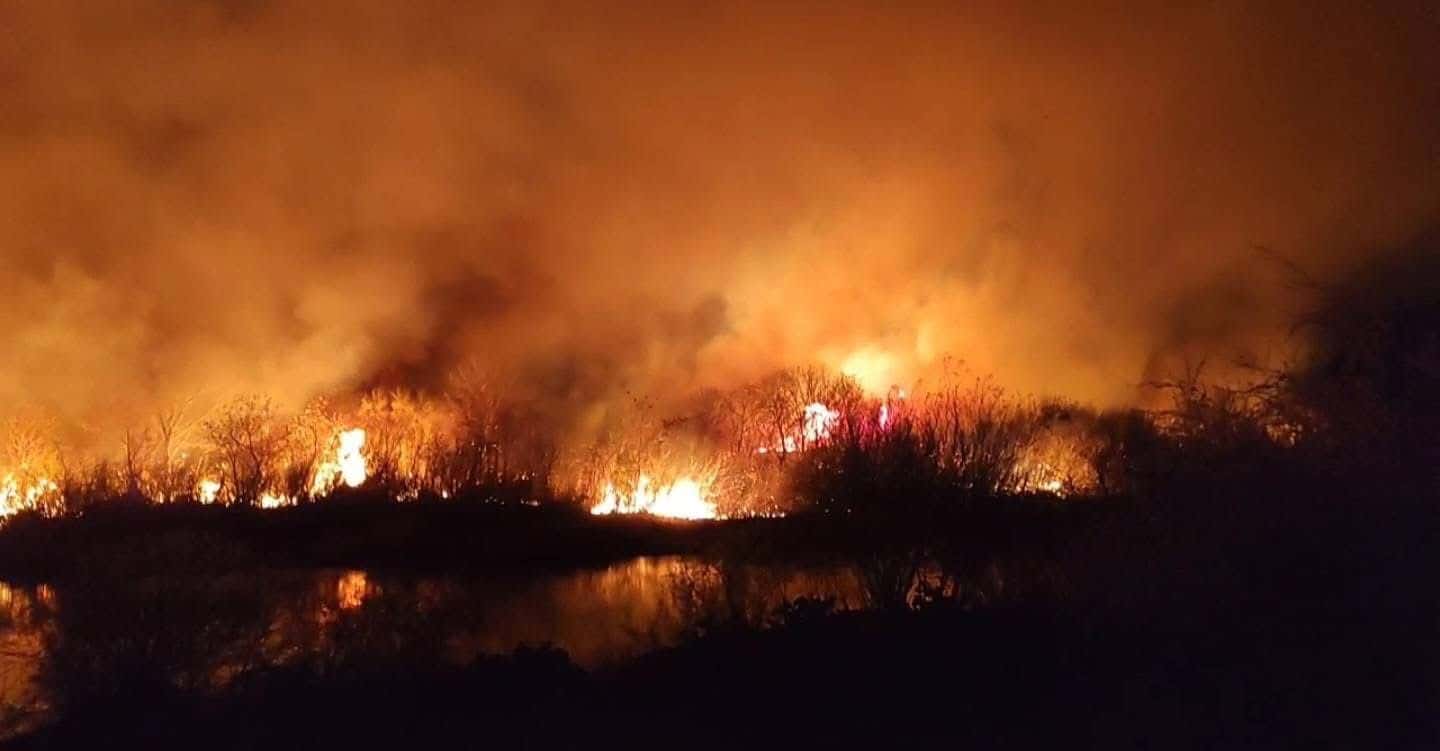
202	631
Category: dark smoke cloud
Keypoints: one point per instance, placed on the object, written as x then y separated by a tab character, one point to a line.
309	196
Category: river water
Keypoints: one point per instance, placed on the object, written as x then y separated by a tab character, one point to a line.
199	630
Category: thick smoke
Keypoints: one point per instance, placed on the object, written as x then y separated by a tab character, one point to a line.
312	196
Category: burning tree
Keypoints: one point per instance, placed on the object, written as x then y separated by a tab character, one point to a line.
979	434
399	425
248	441
642	464
30	462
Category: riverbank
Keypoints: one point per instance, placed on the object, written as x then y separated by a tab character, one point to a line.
1229	623
466	536
1013	678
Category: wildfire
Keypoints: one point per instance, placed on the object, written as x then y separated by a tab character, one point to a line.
895	397
348	466
682	499
207	492
17	496
815	426
872	368
819	419
1042	477
271	500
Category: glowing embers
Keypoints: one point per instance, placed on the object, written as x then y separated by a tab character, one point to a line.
1054	477
17	494
347	466
685	498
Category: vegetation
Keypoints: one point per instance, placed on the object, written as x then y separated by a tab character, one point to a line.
1249	566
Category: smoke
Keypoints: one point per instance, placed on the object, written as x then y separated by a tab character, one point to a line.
301	197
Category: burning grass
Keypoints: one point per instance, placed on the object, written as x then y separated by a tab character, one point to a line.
802	439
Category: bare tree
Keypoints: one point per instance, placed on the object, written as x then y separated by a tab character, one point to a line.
174	475
137	446
312	436
248	442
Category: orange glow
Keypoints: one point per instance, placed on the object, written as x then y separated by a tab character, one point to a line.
815	426
893	400
207	492
819	420
352	589
873	369
683	499
347	466
17	495
272	500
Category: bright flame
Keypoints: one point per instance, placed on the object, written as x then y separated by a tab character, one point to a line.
16	496
683	499
348	466
207	492
895	396
270	500
819	419
815	426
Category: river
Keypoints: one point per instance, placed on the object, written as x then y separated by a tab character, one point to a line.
202	631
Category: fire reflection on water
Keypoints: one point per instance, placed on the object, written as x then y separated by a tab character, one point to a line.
598	616
21	652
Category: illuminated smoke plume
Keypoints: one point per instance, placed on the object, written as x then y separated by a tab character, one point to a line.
297	198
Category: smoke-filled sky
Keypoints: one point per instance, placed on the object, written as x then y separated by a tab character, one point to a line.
310	196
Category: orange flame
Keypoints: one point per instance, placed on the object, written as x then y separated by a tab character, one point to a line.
348	466
17	495
683	499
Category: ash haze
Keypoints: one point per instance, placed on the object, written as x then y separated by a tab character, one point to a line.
300	197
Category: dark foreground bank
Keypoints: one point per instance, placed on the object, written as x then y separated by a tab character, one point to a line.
143	539
1227	624
1007	678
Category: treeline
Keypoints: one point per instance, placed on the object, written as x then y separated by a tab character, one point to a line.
759	449
1361	409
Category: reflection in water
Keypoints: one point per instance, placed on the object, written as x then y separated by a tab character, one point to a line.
21	650
598	616
351	590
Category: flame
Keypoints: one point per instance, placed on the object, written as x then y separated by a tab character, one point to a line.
819	419
895	396
1042	477
348	466
815	426
17	496
682	499
271	500
207	492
